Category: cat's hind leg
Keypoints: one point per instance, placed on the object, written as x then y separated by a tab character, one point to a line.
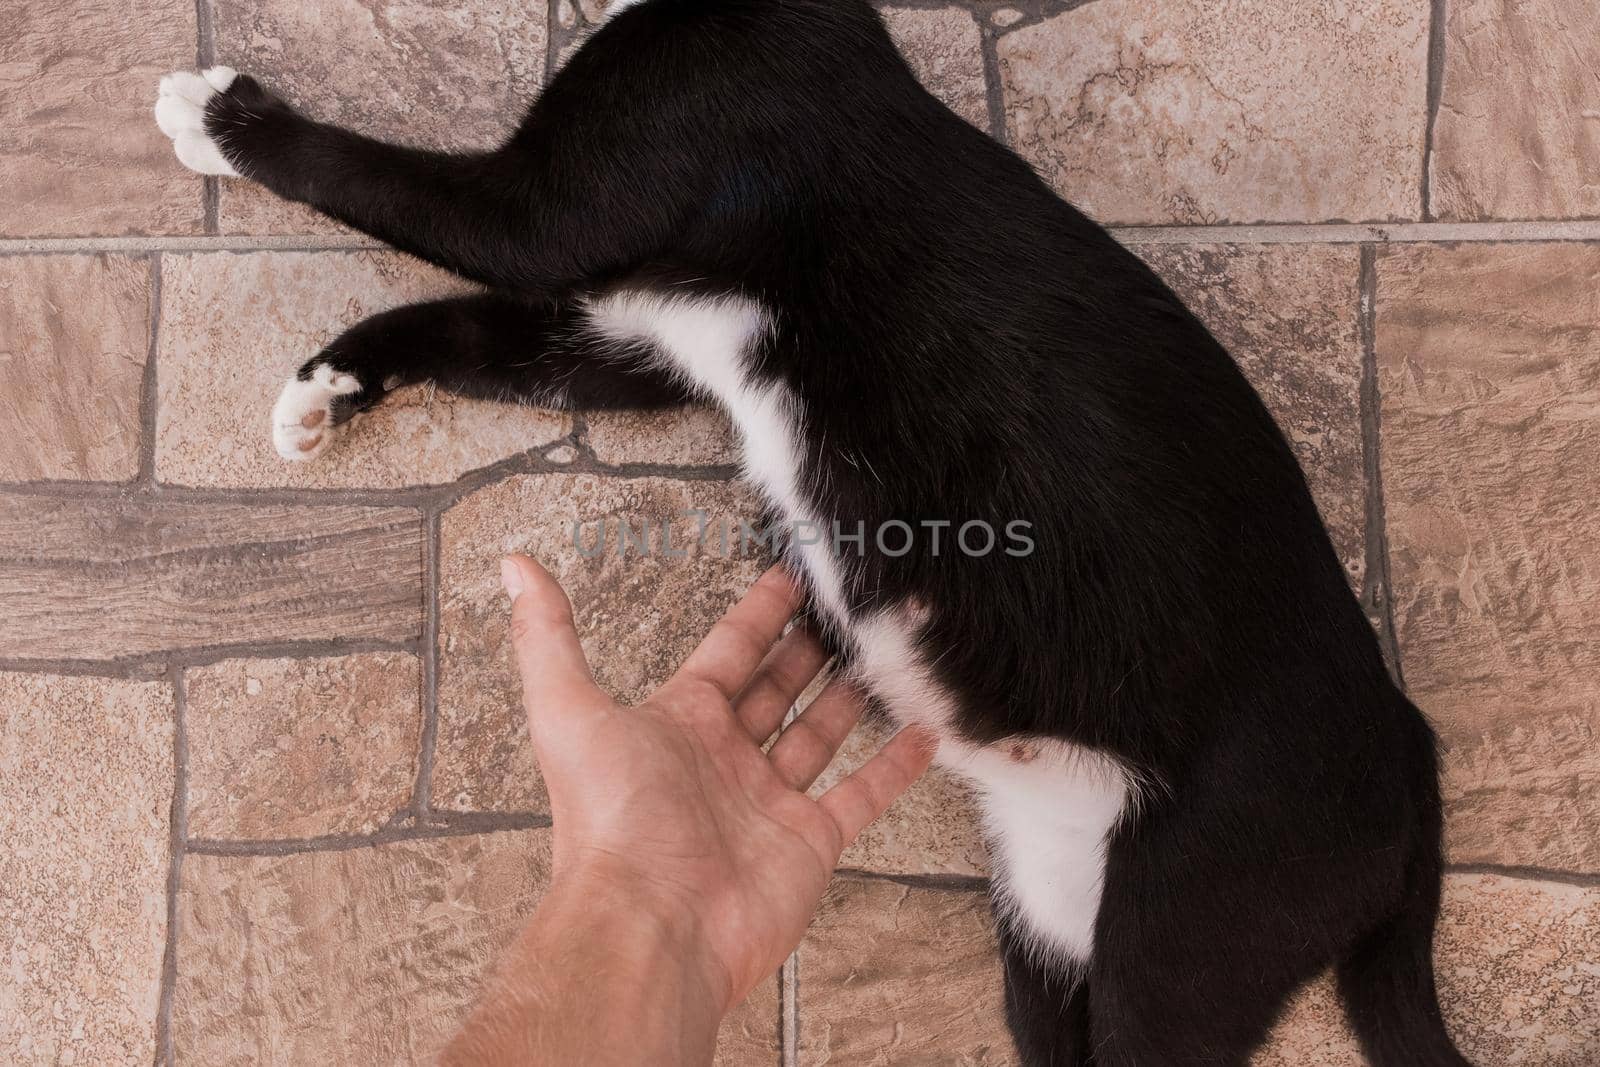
1047	1006
579	193
488	346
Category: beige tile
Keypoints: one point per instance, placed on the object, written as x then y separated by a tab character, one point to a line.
74	333
1518	132
946	52
234	327
693	436
85	800
750	1034
81	154
891	974
1516	970
1516	975
1312	1030
454	77
932	829
302	747
1489	366
371	955
639	616
104	578
1289	315
1199	111
902	976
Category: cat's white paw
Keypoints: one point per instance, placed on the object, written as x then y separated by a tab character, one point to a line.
302	419
181	113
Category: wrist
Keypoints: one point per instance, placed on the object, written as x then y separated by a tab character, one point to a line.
649	930
604	975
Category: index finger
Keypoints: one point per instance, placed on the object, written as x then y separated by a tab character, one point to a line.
544	638
741	639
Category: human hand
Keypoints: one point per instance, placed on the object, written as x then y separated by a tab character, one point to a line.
673	807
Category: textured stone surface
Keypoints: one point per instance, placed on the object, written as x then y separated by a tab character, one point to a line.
1517	971
103	578
931	829
299	748
1312	1031
367	955
901	976
1518	133
751	1034
324	957
1489	366
85	798
890	974
1289	315
74	331
1517	980
1199	111
692	436
81	153
639	615
946	52
453	77
234	327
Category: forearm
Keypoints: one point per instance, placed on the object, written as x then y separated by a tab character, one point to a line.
596	980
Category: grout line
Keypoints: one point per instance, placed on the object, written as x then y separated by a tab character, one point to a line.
789	1011
422	793
993	84
411	497
1378	586
179	832
1505	232
1438	22
148	382
1031	12
143	668
1527	874
191	243
949	883
457	824
205	55
211	204
1364	233
559	37
152	664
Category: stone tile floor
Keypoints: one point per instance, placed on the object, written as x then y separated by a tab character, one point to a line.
263	797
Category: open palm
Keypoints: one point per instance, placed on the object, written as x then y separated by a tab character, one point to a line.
676	800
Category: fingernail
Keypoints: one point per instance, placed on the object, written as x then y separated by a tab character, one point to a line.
511	578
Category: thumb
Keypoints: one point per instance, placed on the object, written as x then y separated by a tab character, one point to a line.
556	683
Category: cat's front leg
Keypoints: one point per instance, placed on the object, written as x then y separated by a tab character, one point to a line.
492	346
182	102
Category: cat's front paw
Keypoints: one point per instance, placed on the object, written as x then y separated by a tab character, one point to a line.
306	418
181	105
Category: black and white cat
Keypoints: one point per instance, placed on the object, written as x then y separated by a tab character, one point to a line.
1200	786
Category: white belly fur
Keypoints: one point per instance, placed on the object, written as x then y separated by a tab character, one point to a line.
1046	815
1047	805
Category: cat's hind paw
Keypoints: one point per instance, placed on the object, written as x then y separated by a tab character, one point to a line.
181	103
304	422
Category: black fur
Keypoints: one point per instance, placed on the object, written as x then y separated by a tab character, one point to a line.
967	346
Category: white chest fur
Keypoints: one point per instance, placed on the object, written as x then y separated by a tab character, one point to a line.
1048	806
706	341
